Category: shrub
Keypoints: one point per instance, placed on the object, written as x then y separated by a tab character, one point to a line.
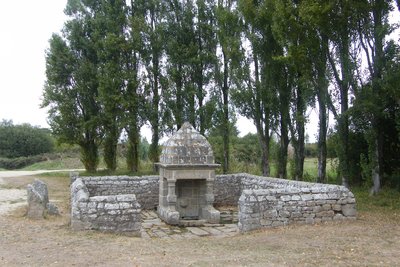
23	140
21	162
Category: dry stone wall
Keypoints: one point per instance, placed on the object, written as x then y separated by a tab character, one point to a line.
276	207
113	213
262	201
270	202
145	188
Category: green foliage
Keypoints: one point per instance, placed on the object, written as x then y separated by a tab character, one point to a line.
311	150
24	140
20	162
144	150
120	64
246	149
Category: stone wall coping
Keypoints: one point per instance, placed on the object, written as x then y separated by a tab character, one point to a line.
118	177
293	183
188	166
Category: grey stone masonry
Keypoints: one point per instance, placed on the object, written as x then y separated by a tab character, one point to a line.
261	201
187	147
187	174
113	213
145	188
315	203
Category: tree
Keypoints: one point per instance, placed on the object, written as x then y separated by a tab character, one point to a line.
293	35
71	88
151	53
191	51
373	29
257	88
228	36
110	24
180	50
313	14
341	57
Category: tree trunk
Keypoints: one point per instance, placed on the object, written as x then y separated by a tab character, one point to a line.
225	118
264	141
179	99
89	153
343	76
378	61
284	140
322	105
299	147
200	98
283	153
132	159
322	152
153	150
110	147
375	169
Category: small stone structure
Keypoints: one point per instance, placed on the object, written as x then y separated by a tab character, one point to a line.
262	201
187	190
118	213
187	173
38	201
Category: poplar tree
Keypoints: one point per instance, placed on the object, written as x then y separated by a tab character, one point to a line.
72	85
110	25
228	36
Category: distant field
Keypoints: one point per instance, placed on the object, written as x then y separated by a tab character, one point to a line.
73	162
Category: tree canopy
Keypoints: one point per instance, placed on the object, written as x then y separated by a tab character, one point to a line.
120	64
23	140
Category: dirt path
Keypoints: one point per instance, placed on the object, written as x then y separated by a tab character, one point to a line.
12	198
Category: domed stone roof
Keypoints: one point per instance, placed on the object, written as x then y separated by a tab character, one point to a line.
187	146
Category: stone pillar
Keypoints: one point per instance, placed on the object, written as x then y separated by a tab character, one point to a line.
208	212
171	197
169	213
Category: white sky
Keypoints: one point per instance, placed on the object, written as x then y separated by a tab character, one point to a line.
25	28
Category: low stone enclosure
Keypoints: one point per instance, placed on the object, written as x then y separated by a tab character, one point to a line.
114	203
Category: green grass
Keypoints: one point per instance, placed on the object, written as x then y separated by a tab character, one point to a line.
56	164
310	169
387	199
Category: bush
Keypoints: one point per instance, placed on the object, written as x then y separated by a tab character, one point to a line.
23	140
21	162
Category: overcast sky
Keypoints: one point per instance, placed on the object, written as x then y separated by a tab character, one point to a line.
25	28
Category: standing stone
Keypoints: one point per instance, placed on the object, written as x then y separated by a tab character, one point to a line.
38	201
38	197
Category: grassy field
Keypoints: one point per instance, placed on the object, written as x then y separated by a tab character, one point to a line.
71	161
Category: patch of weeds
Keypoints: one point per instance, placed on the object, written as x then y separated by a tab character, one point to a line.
386	200
54	174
